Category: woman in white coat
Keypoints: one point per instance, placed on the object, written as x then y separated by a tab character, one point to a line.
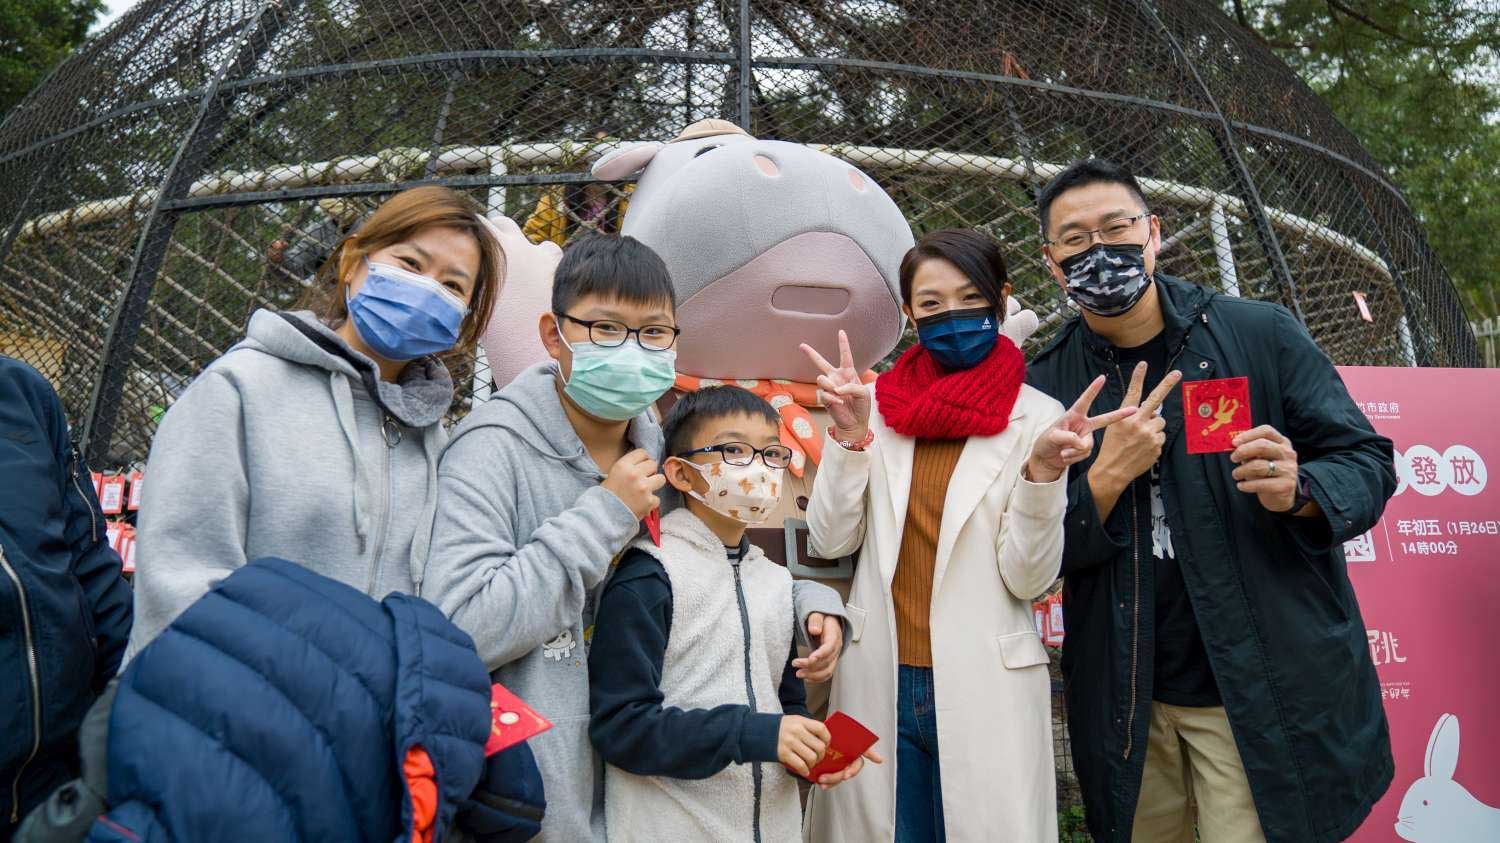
955	490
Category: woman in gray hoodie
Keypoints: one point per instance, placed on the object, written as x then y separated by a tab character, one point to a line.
317	437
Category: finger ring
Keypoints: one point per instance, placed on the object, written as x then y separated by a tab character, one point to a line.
1271	468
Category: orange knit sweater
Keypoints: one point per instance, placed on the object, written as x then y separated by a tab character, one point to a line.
932	464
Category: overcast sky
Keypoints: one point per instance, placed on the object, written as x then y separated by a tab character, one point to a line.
112	10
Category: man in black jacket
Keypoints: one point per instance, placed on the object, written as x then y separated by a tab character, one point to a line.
1215	651
65	609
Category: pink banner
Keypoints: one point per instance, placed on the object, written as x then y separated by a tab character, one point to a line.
1428	580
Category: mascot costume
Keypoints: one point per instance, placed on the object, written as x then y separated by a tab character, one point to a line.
769	244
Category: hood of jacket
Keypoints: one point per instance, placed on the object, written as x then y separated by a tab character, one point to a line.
420	396
531	409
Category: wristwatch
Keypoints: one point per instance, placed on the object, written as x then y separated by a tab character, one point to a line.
1304	495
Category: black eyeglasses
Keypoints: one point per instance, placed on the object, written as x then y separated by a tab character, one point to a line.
1112	233
609	333
743	453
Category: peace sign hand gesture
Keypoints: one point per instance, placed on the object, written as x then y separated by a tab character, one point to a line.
844	395
1071	438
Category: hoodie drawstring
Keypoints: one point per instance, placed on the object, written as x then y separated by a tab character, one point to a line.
343	403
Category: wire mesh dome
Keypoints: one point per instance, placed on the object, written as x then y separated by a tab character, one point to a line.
198	159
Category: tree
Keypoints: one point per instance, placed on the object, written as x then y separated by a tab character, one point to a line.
1418	81
35	35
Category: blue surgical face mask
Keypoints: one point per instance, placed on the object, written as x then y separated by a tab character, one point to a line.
959	339
402	315
618	382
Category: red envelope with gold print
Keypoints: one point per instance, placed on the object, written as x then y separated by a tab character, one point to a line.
849	741
1214	412
511	721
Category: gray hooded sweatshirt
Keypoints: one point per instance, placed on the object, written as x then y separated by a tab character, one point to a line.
522	538
289	445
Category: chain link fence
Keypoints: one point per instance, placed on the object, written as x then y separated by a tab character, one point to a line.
198	159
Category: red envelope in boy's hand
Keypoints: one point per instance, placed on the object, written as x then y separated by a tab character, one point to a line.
653	526
849	741
511	721
1214	412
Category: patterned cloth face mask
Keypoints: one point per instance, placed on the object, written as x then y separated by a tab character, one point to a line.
746	493
1108	279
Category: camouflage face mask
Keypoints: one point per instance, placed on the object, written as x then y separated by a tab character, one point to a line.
1108	279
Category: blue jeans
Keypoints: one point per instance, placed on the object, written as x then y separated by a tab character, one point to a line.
919	788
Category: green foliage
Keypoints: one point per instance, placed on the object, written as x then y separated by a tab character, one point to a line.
35	35
1418	82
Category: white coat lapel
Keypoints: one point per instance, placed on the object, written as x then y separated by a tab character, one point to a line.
895	456
981	462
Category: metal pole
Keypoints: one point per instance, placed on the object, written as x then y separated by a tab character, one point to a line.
744	66
151	249
1218	225
1415	348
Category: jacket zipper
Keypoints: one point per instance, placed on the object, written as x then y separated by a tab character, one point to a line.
1135	606
739	593
93	525
387	425
1135	558
36	689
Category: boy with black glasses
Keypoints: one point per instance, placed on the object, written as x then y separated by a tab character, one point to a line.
693	691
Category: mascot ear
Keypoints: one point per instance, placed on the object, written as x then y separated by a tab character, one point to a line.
1019	324
626	161
510	340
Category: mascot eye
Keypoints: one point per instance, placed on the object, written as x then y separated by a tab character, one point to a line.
710	148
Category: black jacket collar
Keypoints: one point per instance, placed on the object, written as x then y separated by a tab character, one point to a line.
1182	306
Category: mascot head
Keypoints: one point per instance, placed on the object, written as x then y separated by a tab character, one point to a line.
769	244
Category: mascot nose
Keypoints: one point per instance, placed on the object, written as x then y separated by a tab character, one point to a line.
817	301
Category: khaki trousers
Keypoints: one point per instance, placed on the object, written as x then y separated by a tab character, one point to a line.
1192	762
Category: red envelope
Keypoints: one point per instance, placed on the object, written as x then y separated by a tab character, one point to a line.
653	526
850	740
511	721
1214	412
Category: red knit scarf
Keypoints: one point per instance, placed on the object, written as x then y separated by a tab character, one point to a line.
920	398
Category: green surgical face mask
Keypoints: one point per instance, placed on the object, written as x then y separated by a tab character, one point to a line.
618	382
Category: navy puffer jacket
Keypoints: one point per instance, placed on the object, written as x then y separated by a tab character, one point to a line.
280	707
64	607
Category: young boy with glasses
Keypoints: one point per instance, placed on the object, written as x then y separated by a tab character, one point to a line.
695	700
544	485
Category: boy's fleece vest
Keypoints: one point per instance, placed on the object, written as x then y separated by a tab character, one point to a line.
704	667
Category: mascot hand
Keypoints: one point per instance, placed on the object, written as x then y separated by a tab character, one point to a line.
1019	324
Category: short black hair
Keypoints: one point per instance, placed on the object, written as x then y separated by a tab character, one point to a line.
696	409
1082	173
975	254
614	267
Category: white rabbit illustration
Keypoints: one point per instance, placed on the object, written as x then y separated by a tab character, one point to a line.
1437	809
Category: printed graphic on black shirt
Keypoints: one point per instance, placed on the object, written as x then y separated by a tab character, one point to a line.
1161	531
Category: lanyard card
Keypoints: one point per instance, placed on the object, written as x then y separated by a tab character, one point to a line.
137	484
511	721
849	741
112	501
1214	412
